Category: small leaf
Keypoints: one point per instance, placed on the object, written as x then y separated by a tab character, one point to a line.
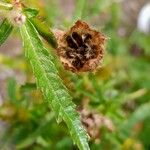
5	6
45	32
5	30
28	87
11	89
51	85
30	12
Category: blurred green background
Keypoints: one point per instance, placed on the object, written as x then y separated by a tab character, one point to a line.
117	95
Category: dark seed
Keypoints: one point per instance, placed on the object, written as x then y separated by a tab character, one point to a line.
71	43
77	63
87	37
85	46
70	53
92	56
77	38
94	47
81	50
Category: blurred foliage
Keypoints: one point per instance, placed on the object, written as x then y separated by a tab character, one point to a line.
120	90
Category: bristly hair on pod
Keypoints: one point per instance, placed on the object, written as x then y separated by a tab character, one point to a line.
81	49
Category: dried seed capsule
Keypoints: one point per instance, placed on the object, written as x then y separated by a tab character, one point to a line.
81	49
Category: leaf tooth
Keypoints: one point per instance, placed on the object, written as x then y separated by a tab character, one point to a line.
59	117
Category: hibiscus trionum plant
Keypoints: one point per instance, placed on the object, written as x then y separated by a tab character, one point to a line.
80	49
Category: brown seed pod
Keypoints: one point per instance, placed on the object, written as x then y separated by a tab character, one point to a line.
81	49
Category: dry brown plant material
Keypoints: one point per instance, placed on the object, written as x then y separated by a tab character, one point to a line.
80	49
93	122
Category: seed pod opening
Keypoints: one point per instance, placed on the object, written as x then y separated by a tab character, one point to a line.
81	49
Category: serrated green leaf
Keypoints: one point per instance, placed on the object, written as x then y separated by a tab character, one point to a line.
5	30
45	32
51	85
30	12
